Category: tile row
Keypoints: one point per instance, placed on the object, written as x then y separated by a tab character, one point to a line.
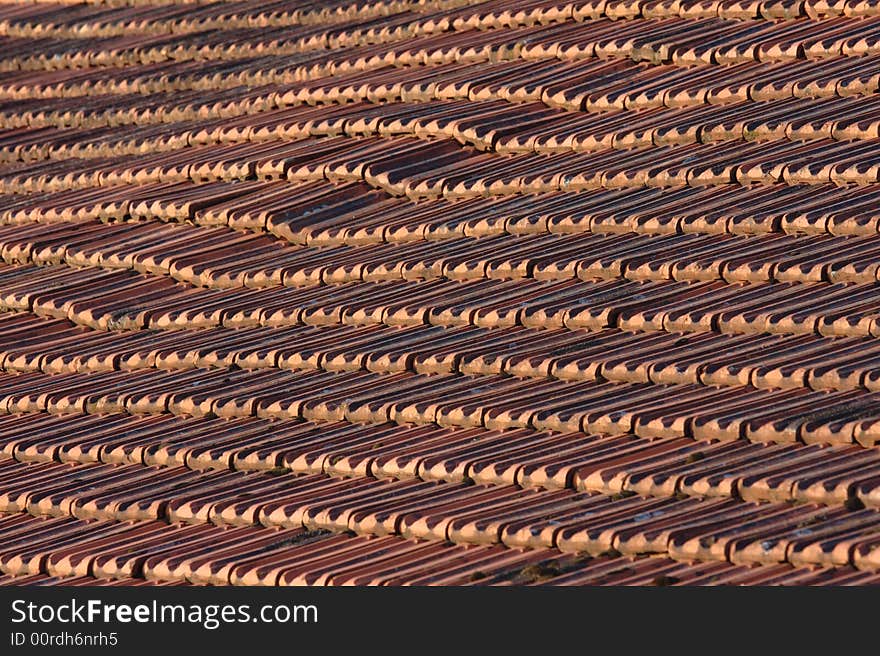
135	18
491	401
354	214
164	17
659	571
594	85
102	299
31	344
495	13
616	465
179	554
110	111
78	581
159	553
671	41
685	529
398	40
231	259
495	126
156	553
670	97
430	170
147	34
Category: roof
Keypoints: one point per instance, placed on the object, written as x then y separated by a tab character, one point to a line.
440	292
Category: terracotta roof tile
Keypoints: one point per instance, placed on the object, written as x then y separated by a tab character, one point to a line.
434	292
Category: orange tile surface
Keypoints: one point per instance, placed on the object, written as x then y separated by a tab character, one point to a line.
437	292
